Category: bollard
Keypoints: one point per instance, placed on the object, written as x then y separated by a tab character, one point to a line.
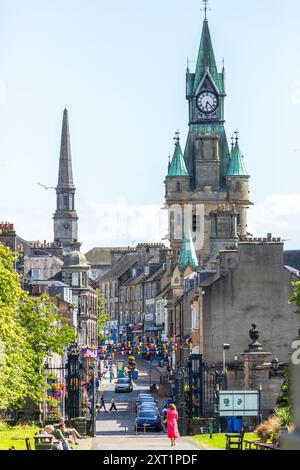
125	429
211	428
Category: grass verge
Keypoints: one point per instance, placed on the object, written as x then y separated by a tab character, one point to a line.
218	441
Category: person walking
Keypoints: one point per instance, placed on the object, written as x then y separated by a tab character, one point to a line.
172	420
113	405
102	404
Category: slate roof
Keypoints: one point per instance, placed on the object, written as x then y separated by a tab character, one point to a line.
292	258
120	268
99	256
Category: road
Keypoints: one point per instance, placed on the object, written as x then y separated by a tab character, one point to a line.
116	430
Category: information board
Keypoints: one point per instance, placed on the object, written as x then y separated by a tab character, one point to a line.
239	403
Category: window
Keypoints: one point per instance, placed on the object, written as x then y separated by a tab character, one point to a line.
75	279
239	219
36	274
178	187
196	223
75	300
147	270
66	202
195	318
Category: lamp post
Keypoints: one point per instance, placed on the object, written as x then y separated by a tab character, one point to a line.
274	370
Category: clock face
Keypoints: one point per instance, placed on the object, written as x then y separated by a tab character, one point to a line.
207	102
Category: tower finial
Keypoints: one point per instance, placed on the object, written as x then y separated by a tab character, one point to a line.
237	136
177	137
232	141
205	8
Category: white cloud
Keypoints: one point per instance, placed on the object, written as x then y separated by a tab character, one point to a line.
278	214
123	224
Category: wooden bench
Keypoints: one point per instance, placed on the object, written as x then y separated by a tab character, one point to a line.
235	441
259	445
28	443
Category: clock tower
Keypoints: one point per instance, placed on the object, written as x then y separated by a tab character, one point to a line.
210	190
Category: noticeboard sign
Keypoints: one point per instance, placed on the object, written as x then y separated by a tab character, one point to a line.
239	403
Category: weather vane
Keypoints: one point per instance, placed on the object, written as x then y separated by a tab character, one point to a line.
237	136
177	137
205	8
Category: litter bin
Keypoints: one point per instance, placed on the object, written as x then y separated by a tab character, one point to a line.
238	424
230	425
135	374
80	425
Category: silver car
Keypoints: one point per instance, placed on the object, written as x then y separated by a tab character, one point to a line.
123	386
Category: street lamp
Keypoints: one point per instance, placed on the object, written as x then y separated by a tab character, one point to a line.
226	347
274	371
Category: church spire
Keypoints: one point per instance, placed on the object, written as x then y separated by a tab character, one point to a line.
65	217
65	174
206	59
177	167
188	255
236	166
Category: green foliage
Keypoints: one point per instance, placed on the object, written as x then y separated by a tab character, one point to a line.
285	416
103	316
29	330
296	296
283	400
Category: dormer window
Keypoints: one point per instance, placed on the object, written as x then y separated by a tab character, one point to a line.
133	273
147	270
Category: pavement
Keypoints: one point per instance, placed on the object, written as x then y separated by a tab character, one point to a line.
116	430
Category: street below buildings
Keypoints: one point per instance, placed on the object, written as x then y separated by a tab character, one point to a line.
115	430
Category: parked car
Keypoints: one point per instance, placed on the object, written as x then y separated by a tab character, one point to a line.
145	398
123	386
147	407
149	420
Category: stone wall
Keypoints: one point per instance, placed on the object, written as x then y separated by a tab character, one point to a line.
254	286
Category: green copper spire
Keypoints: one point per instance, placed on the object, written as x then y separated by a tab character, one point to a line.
236	166
206	61
188	255
178	166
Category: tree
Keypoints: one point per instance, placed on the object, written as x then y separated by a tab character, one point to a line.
103	316
47	332
296	296
15	358
30	329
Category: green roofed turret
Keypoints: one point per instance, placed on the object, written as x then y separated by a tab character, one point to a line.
188	255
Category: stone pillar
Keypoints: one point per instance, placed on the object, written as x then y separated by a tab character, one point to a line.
292	441
255	368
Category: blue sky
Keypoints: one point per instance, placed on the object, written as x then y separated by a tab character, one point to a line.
119	67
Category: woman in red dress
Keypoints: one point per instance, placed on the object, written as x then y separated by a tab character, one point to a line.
172	418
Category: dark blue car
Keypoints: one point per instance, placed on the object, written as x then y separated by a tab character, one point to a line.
148	420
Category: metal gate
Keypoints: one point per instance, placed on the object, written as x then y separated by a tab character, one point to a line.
70	390
203	380
54	405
